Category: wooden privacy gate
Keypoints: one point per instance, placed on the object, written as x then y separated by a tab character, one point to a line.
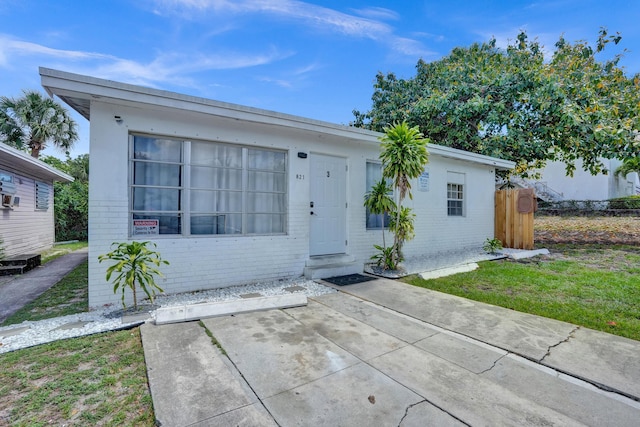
514	217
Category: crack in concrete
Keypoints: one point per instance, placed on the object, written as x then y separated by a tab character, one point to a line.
494	363
215	342
406	412
571	335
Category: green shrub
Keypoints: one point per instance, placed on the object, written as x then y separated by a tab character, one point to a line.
629	202
134	267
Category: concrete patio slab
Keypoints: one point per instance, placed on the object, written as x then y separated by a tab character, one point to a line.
247	416
448	271
403	327
359	339
524	334
465	395
275	352
185	313
425	414
603	358
577	399
189	379
473	356
355	396
319	365
13	331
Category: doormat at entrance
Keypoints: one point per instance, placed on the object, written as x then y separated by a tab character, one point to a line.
349	279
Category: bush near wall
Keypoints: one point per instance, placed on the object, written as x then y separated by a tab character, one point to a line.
623	206
629	202
71	210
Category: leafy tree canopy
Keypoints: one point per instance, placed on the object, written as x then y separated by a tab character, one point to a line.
32	121
514	104
71	199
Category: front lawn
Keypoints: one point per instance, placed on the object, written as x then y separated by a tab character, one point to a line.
93	380
588	285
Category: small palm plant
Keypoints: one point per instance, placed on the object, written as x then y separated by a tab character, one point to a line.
379	202
134	267
402	227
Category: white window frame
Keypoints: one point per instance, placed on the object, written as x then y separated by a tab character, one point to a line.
184	213
456	188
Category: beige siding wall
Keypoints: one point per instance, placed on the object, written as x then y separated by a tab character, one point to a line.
23	229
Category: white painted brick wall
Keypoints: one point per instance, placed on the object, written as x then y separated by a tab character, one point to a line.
212	262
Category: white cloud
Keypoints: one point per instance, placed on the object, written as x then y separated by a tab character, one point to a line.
171	68
10	47
377	13
368	25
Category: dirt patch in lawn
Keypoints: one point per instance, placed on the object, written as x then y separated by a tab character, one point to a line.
591	230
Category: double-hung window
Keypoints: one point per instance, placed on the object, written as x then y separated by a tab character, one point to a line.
374	175
455	194
207	188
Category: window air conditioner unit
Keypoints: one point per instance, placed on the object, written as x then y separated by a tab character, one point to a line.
9	200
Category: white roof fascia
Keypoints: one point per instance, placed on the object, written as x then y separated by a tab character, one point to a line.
26	162
62	84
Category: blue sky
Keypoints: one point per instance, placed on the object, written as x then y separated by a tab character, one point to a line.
316	59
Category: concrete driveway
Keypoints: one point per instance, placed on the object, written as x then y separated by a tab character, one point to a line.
384	353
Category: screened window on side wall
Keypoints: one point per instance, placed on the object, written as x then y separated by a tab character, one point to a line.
42	195
374	175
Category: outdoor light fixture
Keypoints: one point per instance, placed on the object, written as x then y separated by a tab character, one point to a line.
118	119
302	155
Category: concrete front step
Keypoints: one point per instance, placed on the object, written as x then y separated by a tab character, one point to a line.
19	264
321	267
10	270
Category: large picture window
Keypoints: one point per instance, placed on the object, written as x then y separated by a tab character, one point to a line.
217	189
374	175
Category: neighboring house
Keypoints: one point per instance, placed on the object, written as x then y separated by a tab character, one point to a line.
26	212
233	195
555	185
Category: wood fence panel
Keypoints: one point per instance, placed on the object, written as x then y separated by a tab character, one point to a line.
514	229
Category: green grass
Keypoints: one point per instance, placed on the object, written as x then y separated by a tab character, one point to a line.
68	296
94	380
593	286
59	250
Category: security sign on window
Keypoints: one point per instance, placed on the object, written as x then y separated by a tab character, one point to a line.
146	227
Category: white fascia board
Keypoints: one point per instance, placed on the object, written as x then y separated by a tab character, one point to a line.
25	162
66	84
454	153
61	83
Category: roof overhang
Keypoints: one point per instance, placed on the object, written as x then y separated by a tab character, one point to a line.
78	91
28	165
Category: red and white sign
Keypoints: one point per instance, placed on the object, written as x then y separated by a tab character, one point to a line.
146	226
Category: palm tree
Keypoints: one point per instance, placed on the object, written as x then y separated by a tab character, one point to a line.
404	154
34	121
379	202
629	165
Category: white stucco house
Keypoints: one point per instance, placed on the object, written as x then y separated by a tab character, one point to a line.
26	208
555	185
234	195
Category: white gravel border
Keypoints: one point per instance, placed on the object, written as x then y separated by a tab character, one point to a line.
103	320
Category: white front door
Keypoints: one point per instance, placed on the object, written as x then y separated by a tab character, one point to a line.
328	205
